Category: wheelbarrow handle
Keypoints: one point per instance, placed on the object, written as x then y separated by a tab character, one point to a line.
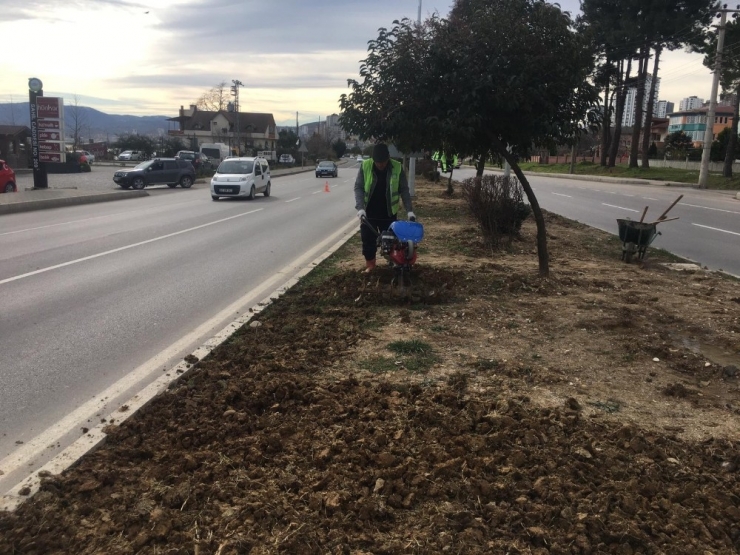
662	216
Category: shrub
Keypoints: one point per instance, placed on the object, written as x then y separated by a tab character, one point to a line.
497	203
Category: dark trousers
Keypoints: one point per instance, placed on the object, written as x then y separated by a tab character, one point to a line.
370	239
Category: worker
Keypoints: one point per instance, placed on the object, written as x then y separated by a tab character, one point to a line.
380	185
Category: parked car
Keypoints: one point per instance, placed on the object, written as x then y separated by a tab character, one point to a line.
131	155
199	160
326	168
241	177
158	171
7	178
88	155
359	158
286	159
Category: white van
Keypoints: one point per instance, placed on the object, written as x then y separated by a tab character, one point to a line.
216	152
241	177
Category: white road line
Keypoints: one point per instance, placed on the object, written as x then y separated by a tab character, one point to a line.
291	200
707	208
119	249
649	198
716	229
626	195
138	211
620	207
562	195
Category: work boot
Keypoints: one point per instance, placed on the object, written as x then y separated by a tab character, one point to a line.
369	265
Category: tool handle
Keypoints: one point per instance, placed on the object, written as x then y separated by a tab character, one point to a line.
662	216
643	214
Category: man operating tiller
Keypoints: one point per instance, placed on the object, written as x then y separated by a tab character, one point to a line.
380	185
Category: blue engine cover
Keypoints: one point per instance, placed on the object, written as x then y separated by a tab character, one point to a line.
407	231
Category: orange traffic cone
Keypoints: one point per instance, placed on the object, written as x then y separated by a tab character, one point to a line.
326	187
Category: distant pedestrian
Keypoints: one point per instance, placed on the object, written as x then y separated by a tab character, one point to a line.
380	186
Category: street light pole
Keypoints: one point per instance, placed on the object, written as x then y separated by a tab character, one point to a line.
709	129
235	93
412	160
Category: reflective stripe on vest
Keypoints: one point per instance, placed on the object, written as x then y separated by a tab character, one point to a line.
367	171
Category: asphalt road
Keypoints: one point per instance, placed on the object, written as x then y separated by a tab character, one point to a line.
92	293
707	231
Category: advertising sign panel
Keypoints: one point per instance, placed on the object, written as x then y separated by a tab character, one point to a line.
50	157
49	107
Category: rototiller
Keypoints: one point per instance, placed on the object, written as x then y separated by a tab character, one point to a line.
398	246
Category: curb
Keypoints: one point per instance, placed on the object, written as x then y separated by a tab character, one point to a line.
40	204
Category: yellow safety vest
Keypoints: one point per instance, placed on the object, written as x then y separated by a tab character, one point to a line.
367	170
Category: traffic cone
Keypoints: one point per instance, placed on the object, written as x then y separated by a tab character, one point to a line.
326	187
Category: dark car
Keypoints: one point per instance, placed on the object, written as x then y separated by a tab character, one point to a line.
199	161
326	168
7	179
158	171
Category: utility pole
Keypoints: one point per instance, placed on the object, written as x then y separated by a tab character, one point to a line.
709	130
411	178
235	94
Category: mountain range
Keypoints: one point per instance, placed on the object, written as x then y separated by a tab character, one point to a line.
92	123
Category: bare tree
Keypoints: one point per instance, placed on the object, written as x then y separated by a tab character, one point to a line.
76	120
215	99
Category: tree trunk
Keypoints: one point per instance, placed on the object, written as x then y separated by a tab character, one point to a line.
639	100
621	97
606	128
481	165
572	168
649	113
450	189
730	154
542	256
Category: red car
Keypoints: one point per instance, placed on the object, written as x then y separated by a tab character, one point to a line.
7	178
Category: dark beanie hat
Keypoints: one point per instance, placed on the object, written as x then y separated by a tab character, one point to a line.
380	153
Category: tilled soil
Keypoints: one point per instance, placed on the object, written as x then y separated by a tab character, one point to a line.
488	411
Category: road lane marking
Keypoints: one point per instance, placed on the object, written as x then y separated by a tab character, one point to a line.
562	195
649	198
119	249
620	207
707	208
138	211
716	229
291	200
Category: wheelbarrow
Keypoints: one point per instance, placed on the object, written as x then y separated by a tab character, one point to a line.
636	237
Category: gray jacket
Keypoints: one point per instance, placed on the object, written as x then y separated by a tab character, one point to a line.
403	189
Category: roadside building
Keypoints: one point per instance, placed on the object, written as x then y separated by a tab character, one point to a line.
693	122
252	131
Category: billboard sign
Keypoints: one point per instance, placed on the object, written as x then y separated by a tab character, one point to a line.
50	136
50	147
50	157
49	107
49	124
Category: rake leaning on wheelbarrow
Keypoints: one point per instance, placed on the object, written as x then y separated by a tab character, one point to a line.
636	237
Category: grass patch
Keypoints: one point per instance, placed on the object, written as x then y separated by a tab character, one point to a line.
413	346
716	180
416	356
379	365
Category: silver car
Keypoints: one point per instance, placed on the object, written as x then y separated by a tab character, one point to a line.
241	177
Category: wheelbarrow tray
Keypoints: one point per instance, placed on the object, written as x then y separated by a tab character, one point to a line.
639	233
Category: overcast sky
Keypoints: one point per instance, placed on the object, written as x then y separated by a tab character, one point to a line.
151	57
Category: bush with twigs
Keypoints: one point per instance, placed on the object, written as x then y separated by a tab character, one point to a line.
497	203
